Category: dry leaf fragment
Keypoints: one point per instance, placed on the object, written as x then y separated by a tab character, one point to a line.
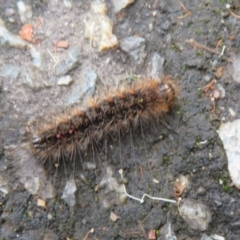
62	44
41	203
114	217
155	180
219	72
152	234
90	231
27	33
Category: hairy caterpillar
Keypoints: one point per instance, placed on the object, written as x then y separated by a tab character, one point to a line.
73	132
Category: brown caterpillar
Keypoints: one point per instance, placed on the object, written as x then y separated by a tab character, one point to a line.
141	103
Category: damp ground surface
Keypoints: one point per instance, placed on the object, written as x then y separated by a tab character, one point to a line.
185	143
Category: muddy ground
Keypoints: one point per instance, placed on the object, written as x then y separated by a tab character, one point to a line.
152	161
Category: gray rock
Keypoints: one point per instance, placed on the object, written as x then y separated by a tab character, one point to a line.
69	193
216	237
225	14
49	235
235	226
9	11
29	81
8	231
85	89
166	25
196	215
215	64
7	38
64	80
154	219
4	185
205	237
135	47
31	175
10	71
68	63
155	66
25	11
201	190
166	232
38	60
112	192
217	199
236	66
230	136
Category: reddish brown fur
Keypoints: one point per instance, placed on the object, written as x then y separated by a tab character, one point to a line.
141	103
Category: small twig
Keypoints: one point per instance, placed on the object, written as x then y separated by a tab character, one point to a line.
232	13
132	233
90	231
178	203
141	200
188	13
210	87
201	46
218	44
223	49
55	59
143	230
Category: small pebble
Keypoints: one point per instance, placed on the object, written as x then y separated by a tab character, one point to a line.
68	63
62	44
201	191
89	165
64	80
221	90
207	78
69	193
9	12
9	39
25	11
120	4
232	112
49	216
135	47
154	13
216	237
152	234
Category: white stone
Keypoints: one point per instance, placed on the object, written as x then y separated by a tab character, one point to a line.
217	237
69	193
236	66
3	185
64	80
120	4
230	136
98	27
25	11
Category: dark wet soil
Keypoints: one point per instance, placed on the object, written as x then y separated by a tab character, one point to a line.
190	146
